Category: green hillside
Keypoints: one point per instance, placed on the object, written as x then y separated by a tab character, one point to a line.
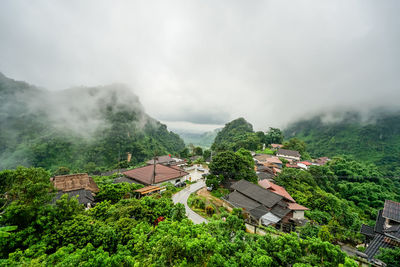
375	140
79	128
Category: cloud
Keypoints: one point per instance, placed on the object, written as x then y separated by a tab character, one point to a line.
211	61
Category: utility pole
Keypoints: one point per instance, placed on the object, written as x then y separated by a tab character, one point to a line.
153	181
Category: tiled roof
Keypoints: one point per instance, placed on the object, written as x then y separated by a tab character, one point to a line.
259	211
295	206
391	210
72	182
257	193
276	145
276	189
145	174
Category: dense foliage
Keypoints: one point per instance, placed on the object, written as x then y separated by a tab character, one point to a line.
235	135
77	128
341	195
375	141
126	233
233	165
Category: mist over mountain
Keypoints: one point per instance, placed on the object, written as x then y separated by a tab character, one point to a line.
76	127
372	136
204	139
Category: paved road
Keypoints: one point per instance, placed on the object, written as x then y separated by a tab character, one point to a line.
182	197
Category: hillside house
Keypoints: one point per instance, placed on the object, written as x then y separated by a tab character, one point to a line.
385	233
276	146
166	160
264	206
80	185
288	154
155	175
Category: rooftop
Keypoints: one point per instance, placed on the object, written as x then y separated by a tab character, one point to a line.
145	174
391	210
72	182
287	152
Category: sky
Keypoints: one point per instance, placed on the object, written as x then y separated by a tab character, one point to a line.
196	65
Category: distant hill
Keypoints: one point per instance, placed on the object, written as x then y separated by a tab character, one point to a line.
235	135
204	140
374	138
79	128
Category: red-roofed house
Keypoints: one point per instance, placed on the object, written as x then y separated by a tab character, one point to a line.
296	209
145	175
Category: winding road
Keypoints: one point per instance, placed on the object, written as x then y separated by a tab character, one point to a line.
182	197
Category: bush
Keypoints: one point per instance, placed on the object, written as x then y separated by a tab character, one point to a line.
199	203
210	210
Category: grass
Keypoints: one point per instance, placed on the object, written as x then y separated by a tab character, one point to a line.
207	202
266	151
220	192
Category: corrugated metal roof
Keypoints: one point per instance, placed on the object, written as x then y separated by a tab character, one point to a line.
269	218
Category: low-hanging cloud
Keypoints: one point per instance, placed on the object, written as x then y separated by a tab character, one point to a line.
211	61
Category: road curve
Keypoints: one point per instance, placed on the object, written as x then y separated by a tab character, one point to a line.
182	197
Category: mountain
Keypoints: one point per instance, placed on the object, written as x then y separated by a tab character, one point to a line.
373	138
235	135
204	140
79	128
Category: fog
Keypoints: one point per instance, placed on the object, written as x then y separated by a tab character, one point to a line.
203	63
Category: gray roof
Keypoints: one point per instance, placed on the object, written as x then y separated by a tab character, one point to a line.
239	200
367	230
84	196
259	211
391	210
380	222
280	209
161	160
379	241
287	152
257	193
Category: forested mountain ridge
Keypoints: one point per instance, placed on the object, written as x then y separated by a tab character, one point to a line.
375	140
79	128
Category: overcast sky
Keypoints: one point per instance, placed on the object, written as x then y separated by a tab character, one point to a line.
199	64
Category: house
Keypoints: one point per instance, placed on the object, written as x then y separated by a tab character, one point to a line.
304	164
276	146
288	154
297	209
385	233
80	185
321	161
147	190
264	206
268	159
166	160
155	175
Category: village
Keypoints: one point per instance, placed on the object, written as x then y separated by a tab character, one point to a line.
266	206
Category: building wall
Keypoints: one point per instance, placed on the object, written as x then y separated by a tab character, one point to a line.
298	214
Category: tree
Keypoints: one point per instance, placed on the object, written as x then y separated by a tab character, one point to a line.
184	153
390	256
295	144
198	151
274	136
233	165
